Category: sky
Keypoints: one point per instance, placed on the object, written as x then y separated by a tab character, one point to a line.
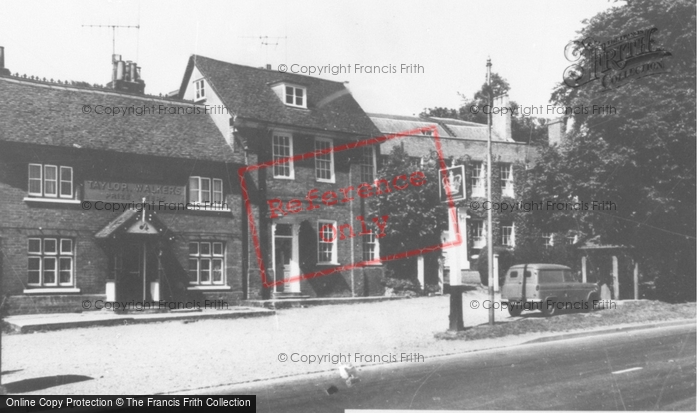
449	41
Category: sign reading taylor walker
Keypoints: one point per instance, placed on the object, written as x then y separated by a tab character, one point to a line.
120	191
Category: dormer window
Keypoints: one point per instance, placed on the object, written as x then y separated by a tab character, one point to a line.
295	96
199	90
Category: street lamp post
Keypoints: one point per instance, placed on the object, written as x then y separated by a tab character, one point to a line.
488	196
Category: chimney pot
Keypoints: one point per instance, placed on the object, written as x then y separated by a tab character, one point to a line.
268	66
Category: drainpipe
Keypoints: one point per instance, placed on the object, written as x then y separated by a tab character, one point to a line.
352	243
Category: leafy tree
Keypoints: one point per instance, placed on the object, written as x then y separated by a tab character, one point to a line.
416	215
642	157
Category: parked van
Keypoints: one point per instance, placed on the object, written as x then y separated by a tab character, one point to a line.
546	287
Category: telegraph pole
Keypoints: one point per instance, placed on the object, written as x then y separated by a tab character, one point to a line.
488	196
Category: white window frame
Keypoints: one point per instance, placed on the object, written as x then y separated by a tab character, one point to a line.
58	181
373	251
294	95
322	161
275	157
479	188
507	186
56	256
549	237
508	239
373	155
199	257
572	239
477	226
199	90
334	243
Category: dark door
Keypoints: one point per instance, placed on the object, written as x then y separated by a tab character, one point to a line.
130	281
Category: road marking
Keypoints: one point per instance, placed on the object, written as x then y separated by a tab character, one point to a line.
627	370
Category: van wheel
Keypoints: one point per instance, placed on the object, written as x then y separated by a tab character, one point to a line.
549	308
515	310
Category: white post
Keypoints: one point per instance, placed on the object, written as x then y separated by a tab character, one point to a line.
636	280
155	290
583	269
110	291
421	271
496	287
616	279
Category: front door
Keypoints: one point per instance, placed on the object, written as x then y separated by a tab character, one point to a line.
286	257
137	268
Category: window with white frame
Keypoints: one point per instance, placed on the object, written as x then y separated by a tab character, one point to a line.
507	180
368	164
325	168
508	235
370	247
50	181
295	96
327	242
282	147
205	190
206	263
478	179
199	93
548	239
476	228
50	262
572	239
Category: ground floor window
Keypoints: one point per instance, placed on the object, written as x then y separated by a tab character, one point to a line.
370	247
50	262
206	263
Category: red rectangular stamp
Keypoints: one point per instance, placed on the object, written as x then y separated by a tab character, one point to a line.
327	232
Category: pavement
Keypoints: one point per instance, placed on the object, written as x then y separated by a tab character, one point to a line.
201	356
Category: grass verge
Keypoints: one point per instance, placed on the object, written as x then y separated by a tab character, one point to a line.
534	322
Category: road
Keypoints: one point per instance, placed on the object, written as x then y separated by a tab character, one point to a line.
651	369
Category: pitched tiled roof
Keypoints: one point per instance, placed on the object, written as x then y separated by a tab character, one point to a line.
447	128
247	92
51	114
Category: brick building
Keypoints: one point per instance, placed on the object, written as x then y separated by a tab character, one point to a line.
274	117
65	162
464	143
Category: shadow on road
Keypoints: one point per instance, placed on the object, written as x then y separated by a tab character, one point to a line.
41	383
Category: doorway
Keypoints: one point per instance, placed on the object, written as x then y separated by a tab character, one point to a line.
286	258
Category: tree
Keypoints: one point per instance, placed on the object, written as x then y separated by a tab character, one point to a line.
416	215
524	128
642	157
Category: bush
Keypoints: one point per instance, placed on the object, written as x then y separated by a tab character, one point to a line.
402	287
505	261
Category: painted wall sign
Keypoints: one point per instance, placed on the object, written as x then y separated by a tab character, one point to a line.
121	191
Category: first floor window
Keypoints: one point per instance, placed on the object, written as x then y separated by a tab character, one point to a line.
206	190
324	162
281	149
327	242
370	247
507	235
50	262
478	179
368	164
52	181
506	180
206	263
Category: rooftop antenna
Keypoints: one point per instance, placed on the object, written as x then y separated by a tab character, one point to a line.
114	28
269	41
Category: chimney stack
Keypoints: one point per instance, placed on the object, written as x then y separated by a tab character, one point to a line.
3	70
268	66
555	131
126	76
502	121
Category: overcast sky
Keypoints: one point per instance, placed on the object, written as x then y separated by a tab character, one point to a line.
450	40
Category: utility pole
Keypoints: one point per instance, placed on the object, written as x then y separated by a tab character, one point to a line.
488	196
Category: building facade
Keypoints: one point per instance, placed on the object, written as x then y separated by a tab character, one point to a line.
113	196
289	128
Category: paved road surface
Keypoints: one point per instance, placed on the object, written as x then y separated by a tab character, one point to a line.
652	369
